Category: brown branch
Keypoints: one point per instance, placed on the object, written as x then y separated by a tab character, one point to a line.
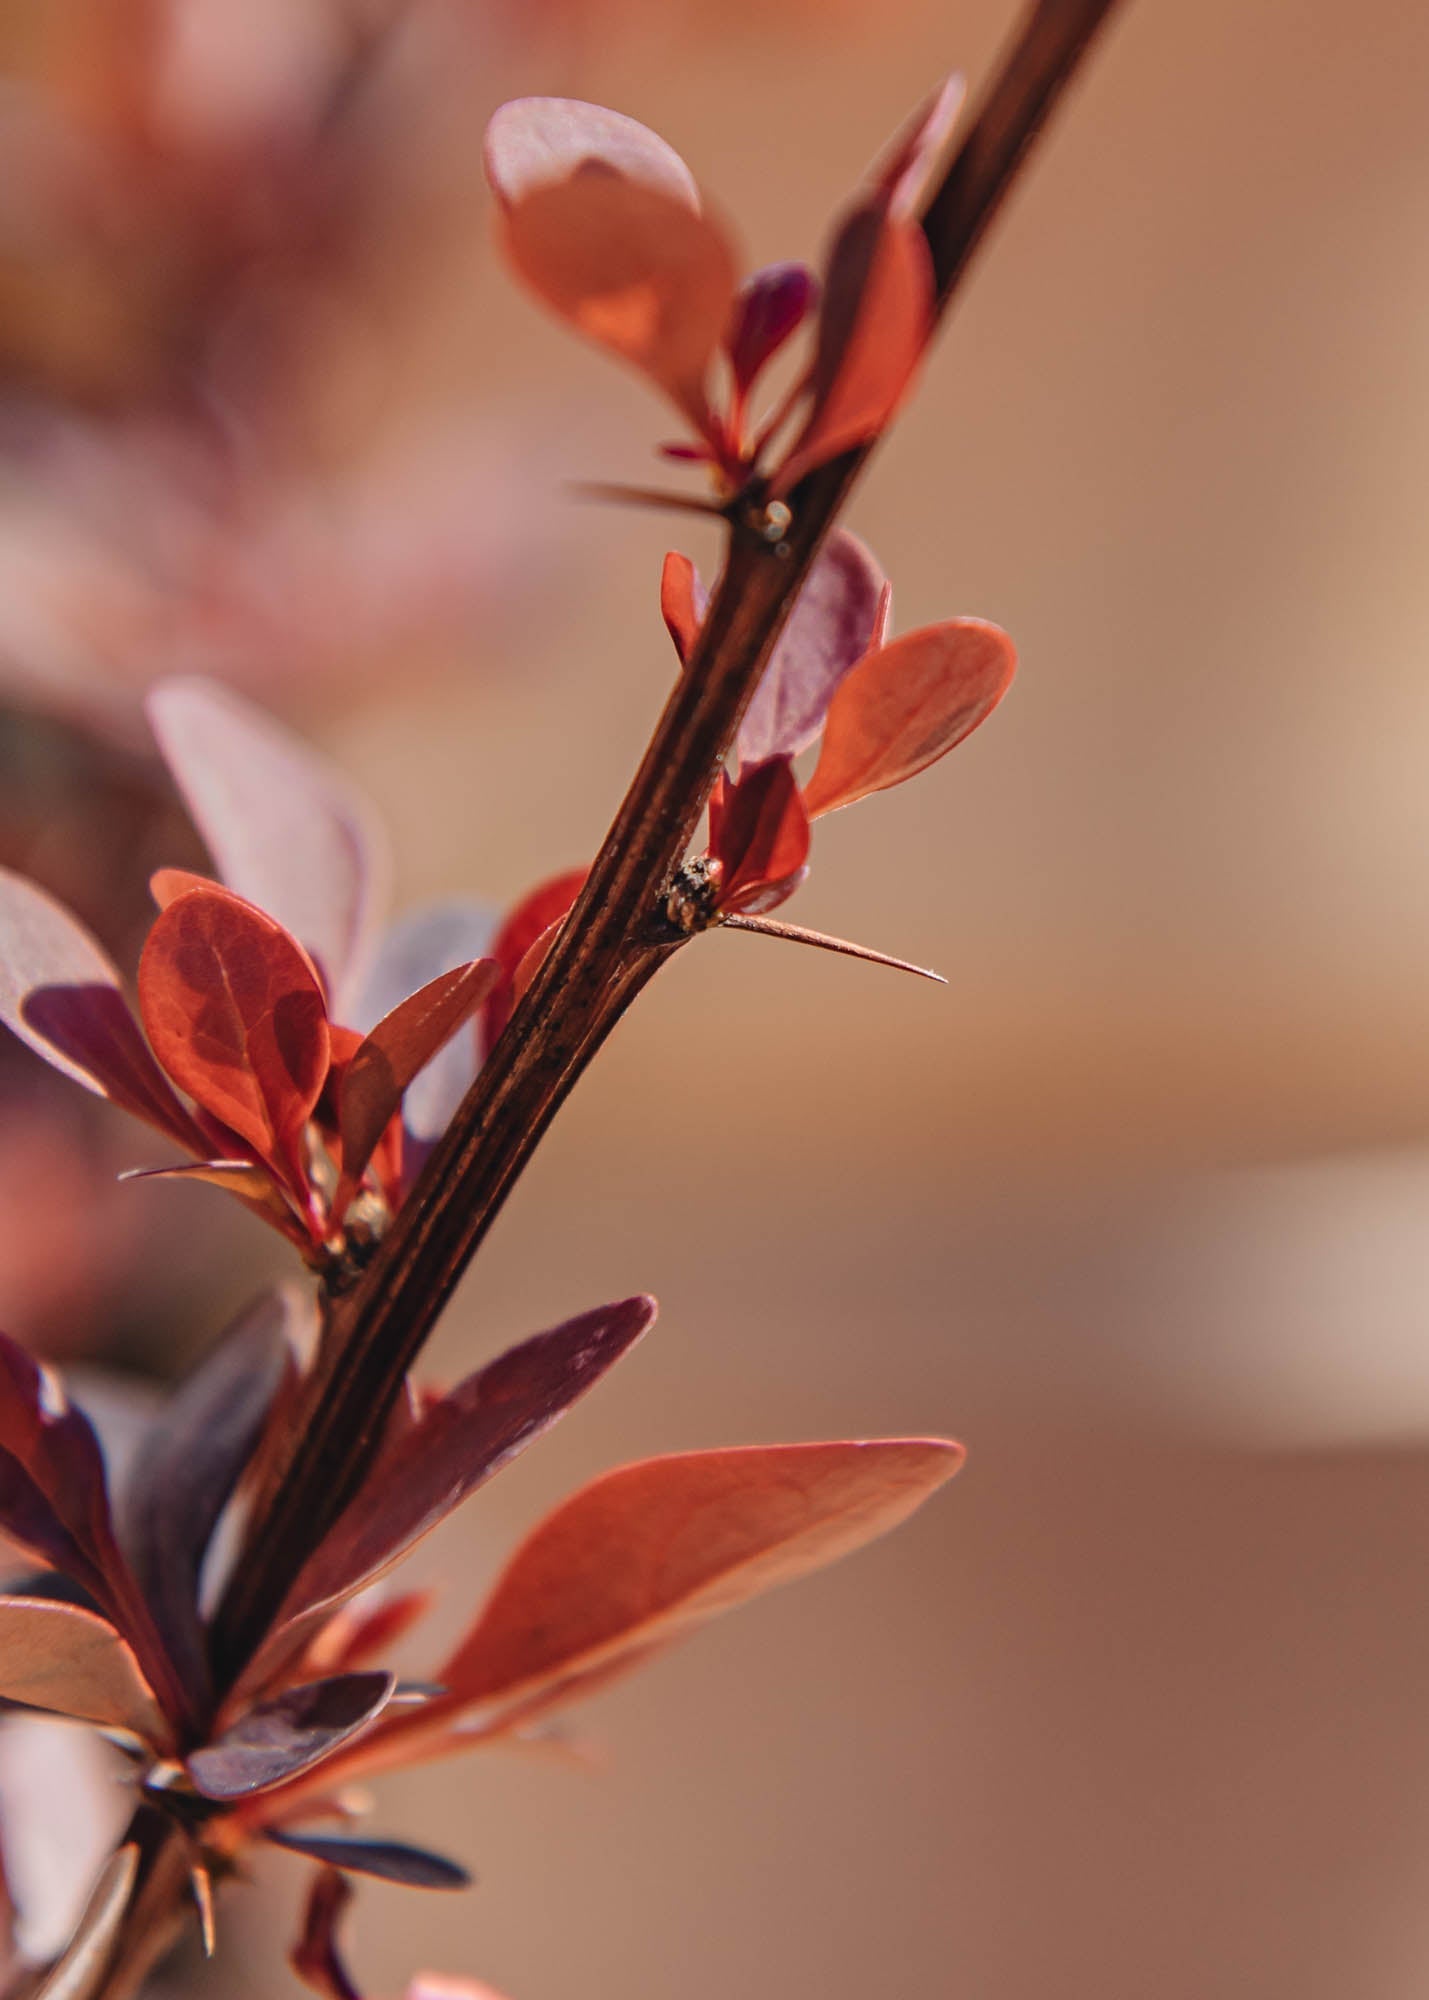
613	942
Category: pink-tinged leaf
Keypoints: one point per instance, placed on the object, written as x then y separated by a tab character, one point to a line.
683	600
771	307
58	1657
282	1738
284	828
191	1462
876	319
458	1443
653	1550
830	628
352	1638
759	834
537	910
445	1986
902	174
905	705
235	1014
392	1055
166	885
80	1971
388	1860
614	242
61	994
415	950
533	141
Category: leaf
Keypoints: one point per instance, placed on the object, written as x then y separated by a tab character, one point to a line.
388	1860
413	951
394	1052
683	600
456	1445
235	1014
602	219
51	1446
79	1972
650	1551
60	993
831	627
533	141
905	705
57	1657
315	1957
759	833
876	319
903	172
191	1462
771	307
536	912
284	828
288	1735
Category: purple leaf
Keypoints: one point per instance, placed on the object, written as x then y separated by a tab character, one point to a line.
191	1462
388	1860
283	1737
413	952
833	622
771	307
447	1454
284	828
61	994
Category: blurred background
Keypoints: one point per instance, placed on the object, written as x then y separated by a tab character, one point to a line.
1138	1206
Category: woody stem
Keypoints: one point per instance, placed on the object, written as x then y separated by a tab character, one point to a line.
615	938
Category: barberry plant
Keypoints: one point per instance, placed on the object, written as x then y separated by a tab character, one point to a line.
373	1093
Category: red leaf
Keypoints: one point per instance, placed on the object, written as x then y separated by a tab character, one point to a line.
876	318
830	628
284	1737
235	1014
652	1550
771	307
759	833
415	950
61	995
61	1658
285	829
683	599
903	172
191	1461
447	1453
402	1043
906	704
537	910
315	1957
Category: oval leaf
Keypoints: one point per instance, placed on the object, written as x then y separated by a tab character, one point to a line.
905	705
60	993
235	1014
285	829
533	141
771	307
683	600
759	833
831	627
57	1657
652	1550
388	1860
281	1738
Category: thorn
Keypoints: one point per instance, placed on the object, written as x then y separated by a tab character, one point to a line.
201	1883
648	496
796	934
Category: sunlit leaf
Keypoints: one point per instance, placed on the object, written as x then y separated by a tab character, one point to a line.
771	307
831	626
650	1551
683	599
759	832
388	1860
906	704
235	1013
61	995
533	141
873	328
57	1657
536	912
285	829
191	1462
79	1972
288	1735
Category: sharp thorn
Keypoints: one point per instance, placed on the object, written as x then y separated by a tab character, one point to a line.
796	934
648	496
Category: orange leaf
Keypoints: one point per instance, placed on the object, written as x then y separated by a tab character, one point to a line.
683	599
652	1550
234	1012
876	318
538	910
906	704
759	833
58	1657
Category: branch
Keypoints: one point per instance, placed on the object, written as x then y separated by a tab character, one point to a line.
614	940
